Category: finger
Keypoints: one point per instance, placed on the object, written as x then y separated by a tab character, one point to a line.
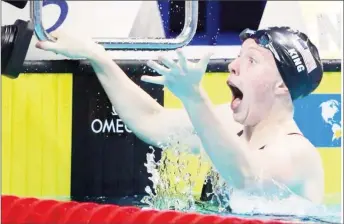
158	68
47	45
160	80
168	62
182	59
205	60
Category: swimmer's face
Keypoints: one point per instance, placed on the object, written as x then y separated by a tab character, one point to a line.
253	80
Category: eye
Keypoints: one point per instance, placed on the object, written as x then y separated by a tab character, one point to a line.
251	60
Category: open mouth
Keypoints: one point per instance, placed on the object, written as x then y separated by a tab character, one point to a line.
236	92
237	96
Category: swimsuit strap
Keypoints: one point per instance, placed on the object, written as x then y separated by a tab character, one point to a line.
292	133
295	133
240	133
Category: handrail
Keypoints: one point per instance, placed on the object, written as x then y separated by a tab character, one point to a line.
186	35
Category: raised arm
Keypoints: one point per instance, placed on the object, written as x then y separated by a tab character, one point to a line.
150	121
229	154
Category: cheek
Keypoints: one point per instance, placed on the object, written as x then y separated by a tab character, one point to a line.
257	102
258	89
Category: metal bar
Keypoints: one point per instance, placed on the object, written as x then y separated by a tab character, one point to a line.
188	32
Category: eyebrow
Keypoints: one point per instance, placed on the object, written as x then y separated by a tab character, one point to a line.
255	49
252	48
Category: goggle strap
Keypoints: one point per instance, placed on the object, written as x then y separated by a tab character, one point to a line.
247	33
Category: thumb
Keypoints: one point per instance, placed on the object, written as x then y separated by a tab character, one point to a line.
160	80
57	33
47	45
205	60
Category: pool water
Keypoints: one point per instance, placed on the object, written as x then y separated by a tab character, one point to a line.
330	214
175	178
323	214
180	195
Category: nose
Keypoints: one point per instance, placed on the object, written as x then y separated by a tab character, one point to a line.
233	67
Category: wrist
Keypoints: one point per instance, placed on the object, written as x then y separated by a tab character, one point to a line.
195	94
95	51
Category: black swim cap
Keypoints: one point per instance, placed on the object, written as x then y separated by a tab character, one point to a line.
296	57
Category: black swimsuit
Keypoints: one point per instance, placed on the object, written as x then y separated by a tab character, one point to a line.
207	189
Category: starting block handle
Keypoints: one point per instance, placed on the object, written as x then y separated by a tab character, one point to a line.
188	32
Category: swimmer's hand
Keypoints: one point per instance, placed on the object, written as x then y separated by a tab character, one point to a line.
71	46
182	78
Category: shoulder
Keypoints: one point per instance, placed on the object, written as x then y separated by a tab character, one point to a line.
298	157
298	148
308	168
301	148
293	143
304	158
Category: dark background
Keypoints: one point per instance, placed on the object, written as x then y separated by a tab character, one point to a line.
106	167
219	22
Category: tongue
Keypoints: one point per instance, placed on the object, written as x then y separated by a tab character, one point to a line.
235	103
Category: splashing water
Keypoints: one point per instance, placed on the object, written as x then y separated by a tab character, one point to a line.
173	189
168	193
173	182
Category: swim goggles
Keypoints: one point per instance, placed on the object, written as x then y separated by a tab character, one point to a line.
262	38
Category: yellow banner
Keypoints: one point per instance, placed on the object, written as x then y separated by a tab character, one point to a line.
36	135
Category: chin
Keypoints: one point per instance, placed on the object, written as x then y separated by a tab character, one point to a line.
239	117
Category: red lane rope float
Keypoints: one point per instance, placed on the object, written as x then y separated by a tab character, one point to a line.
121	214
35	211
144	216
97	215
17	210
6	202
184	218
206	219
56	212
162	217
78	213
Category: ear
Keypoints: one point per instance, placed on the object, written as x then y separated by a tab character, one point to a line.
281	88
